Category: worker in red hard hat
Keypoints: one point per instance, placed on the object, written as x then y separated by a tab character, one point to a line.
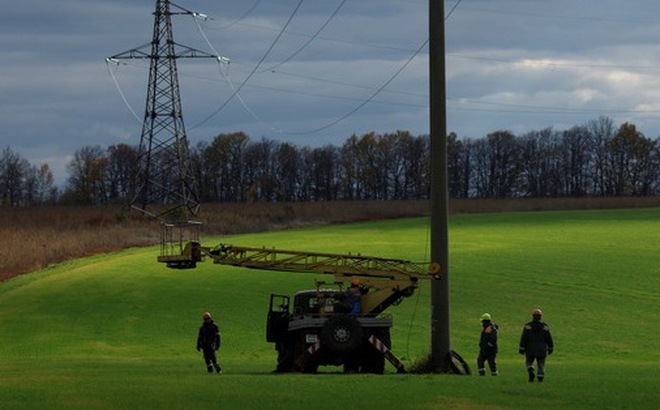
536	344
208	341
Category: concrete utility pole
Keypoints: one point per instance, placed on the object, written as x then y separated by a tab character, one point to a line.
164	184
440	330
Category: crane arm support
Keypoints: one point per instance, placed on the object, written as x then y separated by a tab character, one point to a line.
317	262
385	281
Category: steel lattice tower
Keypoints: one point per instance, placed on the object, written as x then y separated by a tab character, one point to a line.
165	184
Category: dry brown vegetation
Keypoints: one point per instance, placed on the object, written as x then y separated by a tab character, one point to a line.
31	239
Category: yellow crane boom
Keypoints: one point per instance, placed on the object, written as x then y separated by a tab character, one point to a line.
388	279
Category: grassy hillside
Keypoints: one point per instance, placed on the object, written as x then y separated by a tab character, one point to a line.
118	331
34	238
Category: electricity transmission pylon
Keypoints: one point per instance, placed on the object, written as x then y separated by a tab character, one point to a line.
164	183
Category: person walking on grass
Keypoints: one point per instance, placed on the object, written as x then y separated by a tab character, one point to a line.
208	341
536	344
487	346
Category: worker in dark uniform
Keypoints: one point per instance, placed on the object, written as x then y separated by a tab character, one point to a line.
536	344
208	341
487	346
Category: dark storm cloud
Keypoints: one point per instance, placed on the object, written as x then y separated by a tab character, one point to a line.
512	64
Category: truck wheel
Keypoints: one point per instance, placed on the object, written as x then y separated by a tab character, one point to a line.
342	334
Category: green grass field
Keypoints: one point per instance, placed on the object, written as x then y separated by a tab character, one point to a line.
118	331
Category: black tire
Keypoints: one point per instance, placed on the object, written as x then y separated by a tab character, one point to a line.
457	364
342	334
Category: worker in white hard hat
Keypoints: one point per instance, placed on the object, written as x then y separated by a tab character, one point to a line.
487	346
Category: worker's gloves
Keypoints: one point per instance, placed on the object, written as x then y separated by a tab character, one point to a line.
521	350
550	350
199	348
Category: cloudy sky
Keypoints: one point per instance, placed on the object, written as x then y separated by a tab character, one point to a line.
314	72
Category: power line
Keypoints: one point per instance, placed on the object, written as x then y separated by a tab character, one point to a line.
121	93
381	88
523	109
371	97
242	17
452	10
334	39
254	70
312	38
226	77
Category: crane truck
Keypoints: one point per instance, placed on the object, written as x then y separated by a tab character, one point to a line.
316	328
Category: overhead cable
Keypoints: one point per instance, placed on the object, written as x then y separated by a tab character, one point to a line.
381	88
226	76
242	17
368	100
121	93
254	70
312	38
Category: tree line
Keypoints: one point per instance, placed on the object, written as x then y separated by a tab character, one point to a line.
595	159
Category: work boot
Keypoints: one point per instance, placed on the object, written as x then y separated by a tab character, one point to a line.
540	379
482	372
209	368
495	373
218	369
531	375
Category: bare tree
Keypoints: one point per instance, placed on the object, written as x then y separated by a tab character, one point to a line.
121	170
577	156
632	161
498	165
351	183
259	182
321	176
87	170
13	174
287	169
540	175
602	130
416	163
224	168
458	166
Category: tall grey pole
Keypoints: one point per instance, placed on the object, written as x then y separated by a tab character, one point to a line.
440	329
